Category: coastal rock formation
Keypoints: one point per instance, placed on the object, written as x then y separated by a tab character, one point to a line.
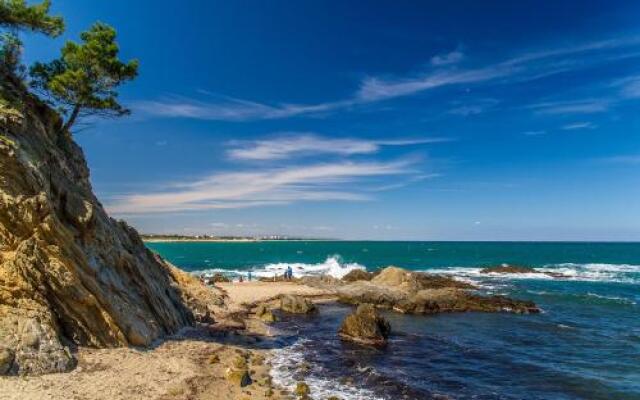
365	326
418	293
296	304
516	269
508	269
238	372
357	275
69	274
264	313
432	301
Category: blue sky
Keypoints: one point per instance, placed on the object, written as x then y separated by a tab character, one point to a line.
458	120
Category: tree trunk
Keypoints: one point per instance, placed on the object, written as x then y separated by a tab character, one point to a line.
72	119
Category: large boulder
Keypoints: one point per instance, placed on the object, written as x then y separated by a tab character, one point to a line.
368	292
365	326
69	274
357	275
296	304
264	313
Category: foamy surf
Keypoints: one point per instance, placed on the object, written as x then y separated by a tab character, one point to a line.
283	374
617	273
332	266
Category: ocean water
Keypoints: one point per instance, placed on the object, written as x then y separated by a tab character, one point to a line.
584	345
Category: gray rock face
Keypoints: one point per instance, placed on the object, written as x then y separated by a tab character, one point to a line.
69	274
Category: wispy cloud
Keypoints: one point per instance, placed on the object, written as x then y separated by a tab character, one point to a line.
443	73
579	125
226	109
535	133
304	144
453	57
528	66
633	159
629	87
474	107
320	182
584	106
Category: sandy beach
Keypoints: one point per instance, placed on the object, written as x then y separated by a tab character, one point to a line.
179	367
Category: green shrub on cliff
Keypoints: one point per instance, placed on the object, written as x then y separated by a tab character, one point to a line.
83	80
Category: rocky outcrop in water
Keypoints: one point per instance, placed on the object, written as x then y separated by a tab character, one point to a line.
296	304
365	326
417	293
516	269
69	274
508	269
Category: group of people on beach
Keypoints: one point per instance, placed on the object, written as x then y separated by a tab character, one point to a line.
288	275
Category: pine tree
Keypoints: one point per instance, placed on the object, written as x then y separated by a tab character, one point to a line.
84	79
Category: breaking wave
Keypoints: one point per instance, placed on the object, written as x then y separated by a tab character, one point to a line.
333	266
619	273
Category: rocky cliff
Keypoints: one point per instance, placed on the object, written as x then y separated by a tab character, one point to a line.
69	274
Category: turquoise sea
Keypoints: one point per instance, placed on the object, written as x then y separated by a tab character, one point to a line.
585	344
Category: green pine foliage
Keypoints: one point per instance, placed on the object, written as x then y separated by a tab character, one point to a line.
84	79
18	15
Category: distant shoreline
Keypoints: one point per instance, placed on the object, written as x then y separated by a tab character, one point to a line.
248	240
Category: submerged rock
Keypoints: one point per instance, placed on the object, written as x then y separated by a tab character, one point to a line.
365	326
296	305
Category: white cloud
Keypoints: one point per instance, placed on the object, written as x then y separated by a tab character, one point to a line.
376	89
579	125
302	144
630	87
453	57
320	182
529	66
225	109
534	133
525	67
624	159
474	107
585	106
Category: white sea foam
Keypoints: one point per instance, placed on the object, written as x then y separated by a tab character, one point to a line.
283	362
621	273
333	266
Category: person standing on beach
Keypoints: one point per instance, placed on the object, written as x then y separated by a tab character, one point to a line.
249	276
289	274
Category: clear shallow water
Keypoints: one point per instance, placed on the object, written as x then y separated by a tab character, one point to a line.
585	345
